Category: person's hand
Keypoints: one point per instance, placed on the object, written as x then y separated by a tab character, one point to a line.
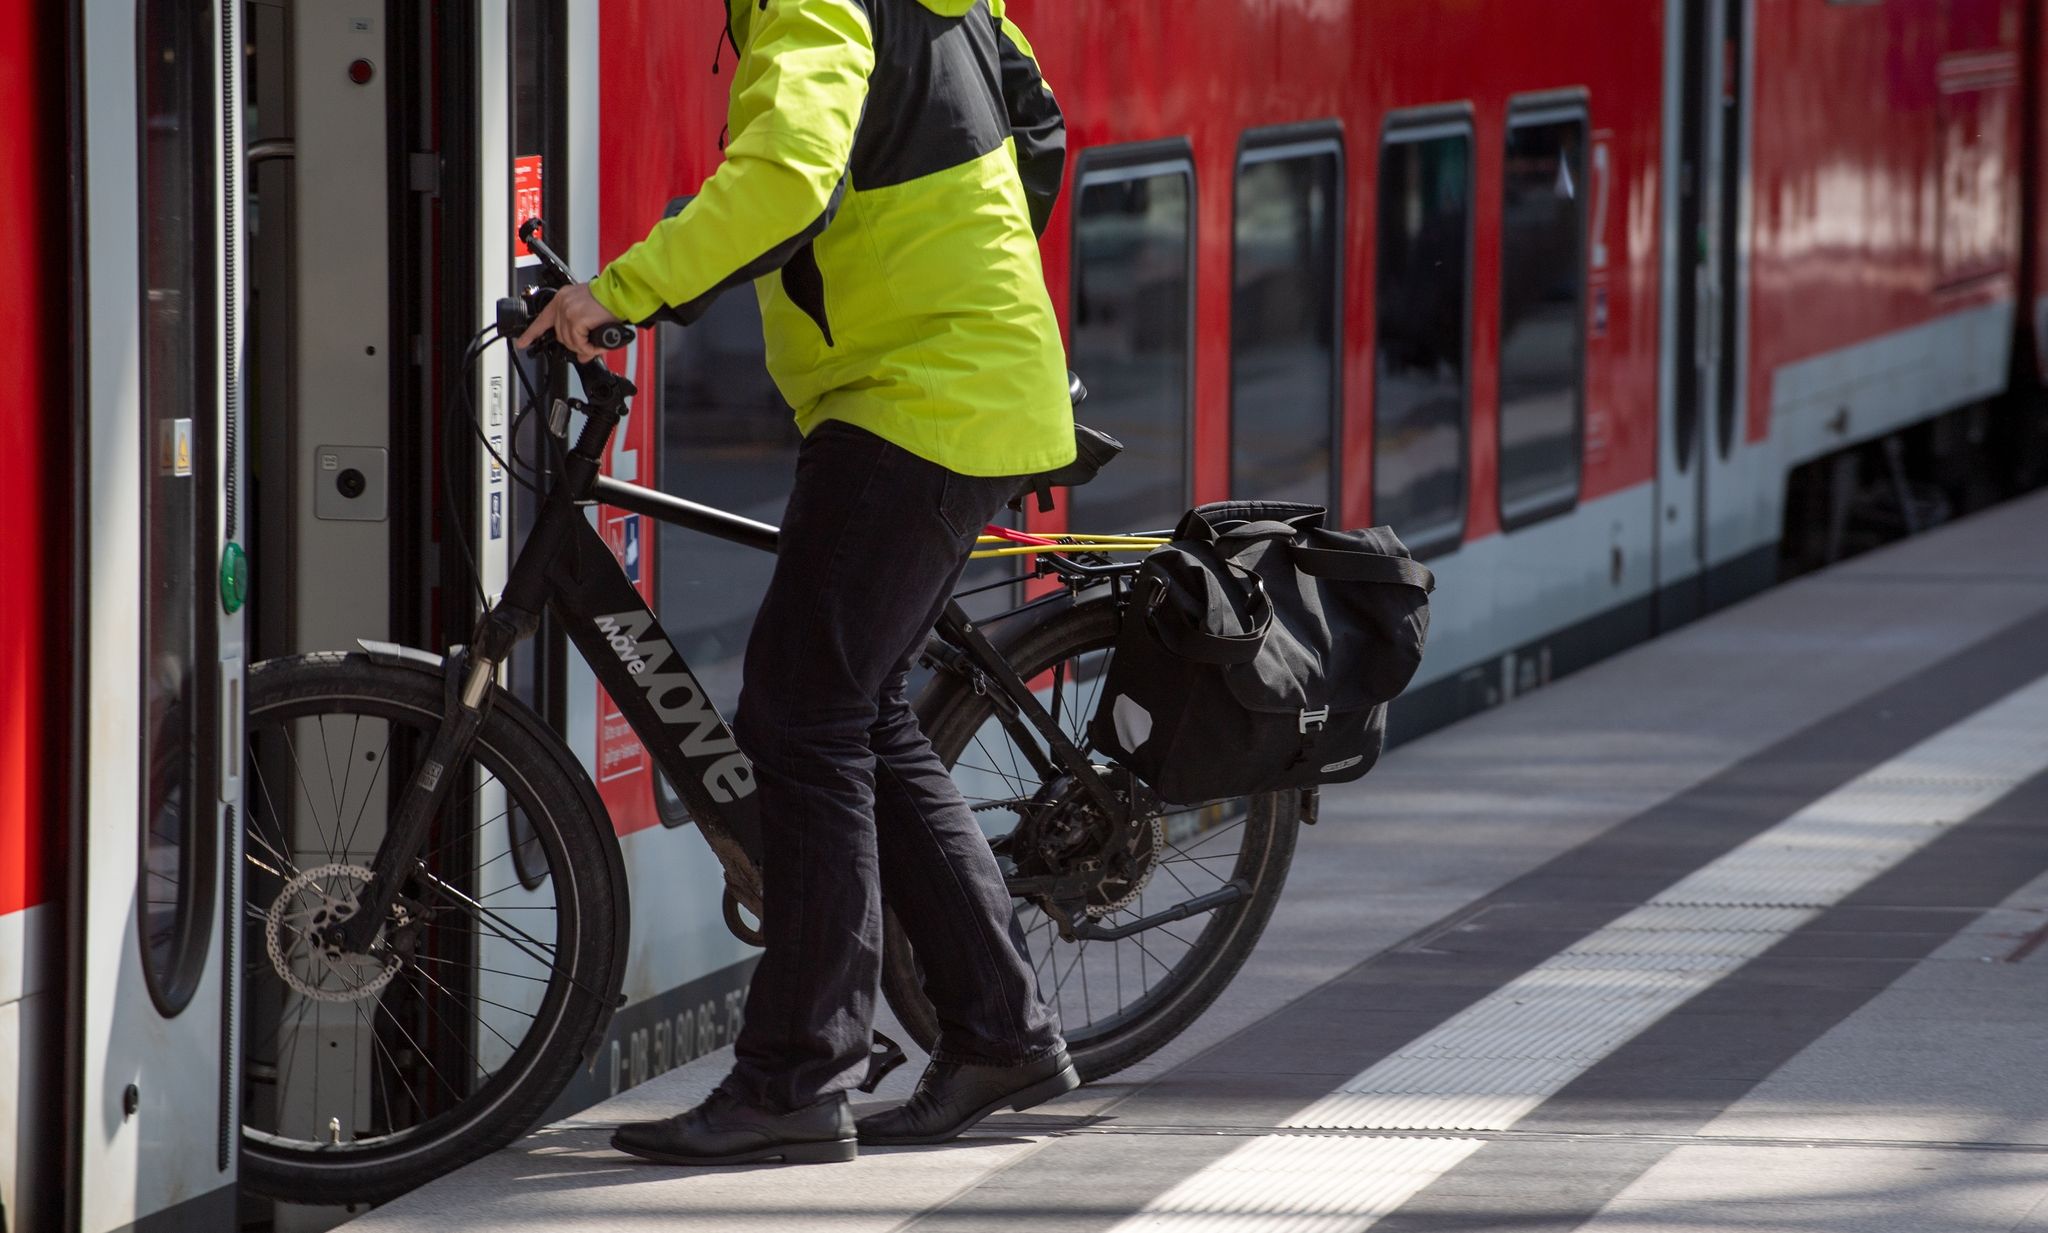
572	314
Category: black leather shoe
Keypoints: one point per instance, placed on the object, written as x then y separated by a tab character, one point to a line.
723	1131
950	1097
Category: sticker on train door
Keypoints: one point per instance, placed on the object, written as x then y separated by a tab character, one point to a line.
174	448
526	199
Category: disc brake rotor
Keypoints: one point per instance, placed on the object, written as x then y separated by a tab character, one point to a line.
1115	892
310	902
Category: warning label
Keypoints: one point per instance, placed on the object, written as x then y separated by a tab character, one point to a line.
526	198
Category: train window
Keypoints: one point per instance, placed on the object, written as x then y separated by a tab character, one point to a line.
1542	312
1422	301
1133	328
178	389
1286	285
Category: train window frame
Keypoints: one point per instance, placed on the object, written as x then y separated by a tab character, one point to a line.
1281	143
1404	127
172	989
1139	160
1528	111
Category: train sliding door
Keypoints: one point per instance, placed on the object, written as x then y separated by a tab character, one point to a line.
1705	90
155	1143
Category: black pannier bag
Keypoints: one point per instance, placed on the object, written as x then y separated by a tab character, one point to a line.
1259	651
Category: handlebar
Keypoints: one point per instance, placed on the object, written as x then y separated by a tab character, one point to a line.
515	314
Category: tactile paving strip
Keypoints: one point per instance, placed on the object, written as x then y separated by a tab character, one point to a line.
1301	1184
1487	1067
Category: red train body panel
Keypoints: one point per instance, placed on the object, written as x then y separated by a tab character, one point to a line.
34	549
1217	70
1885	177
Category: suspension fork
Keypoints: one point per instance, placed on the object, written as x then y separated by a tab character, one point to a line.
469	677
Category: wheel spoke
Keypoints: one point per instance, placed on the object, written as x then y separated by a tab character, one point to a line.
1004	766
418	1043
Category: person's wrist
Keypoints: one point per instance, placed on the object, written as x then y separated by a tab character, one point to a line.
597	297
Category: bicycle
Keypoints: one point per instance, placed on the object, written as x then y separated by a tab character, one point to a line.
473	959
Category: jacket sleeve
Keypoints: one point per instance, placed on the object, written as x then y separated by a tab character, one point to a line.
1035	121
797	96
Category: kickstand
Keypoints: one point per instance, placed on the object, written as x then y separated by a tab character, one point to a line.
884	1055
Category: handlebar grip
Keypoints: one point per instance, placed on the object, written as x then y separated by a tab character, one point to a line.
611	336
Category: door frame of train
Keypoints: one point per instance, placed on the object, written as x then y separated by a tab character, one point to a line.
155	1086
1702	277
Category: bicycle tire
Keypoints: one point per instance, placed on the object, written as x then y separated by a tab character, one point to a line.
952	711
540	777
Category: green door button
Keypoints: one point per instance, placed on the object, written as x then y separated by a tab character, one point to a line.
234	578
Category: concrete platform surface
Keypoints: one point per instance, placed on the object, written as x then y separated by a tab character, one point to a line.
1739	930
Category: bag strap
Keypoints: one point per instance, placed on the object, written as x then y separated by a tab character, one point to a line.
1201	645
1363	567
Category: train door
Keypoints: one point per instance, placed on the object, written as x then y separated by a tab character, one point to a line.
165	494
330	552
390	147
1699	389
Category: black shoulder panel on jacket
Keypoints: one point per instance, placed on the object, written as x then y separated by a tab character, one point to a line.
935	98
1040	130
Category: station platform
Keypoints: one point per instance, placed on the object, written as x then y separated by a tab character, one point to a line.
1742	929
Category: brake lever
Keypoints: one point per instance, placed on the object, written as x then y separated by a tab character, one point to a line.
515	315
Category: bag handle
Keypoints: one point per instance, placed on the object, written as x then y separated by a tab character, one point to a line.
1197	526
1201	645
1363	567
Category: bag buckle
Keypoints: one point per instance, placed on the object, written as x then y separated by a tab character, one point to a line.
1313	721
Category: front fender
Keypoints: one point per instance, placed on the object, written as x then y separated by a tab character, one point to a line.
391	654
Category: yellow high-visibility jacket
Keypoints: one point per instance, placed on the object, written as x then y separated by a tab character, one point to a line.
890	165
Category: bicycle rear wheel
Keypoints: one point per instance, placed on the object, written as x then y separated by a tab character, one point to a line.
1117	1001
368	1075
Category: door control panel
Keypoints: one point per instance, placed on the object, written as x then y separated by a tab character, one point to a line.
349	483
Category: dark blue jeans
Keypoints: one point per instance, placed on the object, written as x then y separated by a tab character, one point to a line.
855	805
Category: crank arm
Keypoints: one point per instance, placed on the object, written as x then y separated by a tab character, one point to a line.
469	682
1223	896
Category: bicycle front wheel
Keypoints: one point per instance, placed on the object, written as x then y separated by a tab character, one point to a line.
1117	1000
367	1075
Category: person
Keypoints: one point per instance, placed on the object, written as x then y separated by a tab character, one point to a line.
891	164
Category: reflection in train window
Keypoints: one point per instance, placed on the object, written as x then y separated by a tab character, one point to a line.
1542	311
1421	382
727	441
1132	329
1285	287
178	391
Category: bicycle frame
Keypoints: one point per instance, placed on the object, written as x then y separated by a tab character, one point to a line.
566	567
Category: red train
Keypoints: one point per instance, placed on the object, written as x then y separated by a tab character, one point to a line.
1617	310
